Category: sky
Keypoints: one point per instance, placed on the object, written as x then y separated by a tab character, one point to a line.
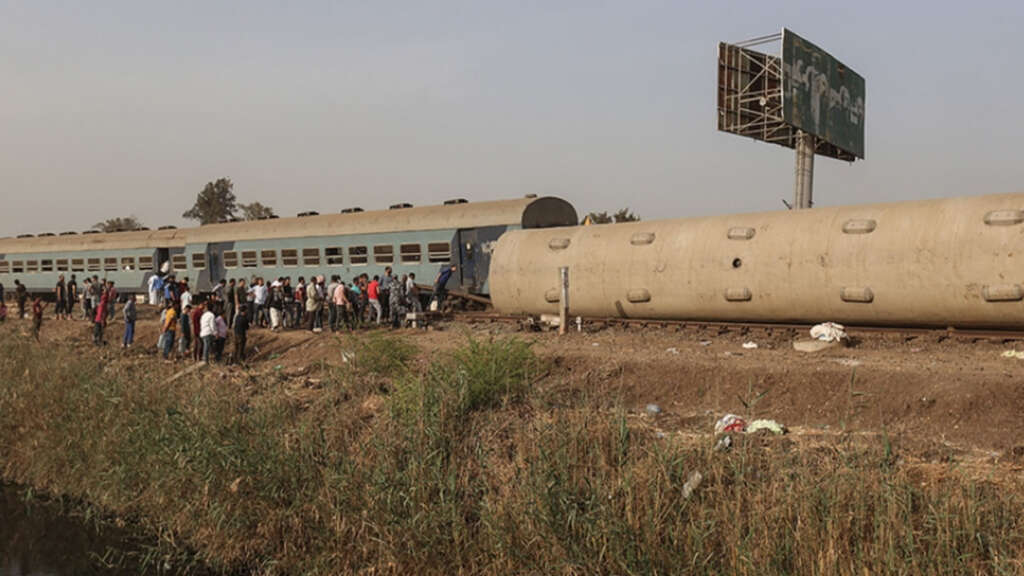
111	108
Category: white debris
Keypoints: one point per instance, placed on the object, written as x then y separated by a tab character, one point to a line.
828	332
1018	354
691	484
750	345
673	351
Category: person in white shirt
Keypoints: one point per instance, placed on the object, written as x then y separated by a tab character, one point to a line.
259	298
207	332
186	298
154	290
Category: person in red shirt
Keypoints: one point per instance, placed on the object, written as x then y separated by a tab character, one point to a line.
37	316
373	293
100	319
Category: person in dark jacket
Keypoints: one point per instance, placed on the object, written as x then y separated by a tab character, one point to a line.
241	329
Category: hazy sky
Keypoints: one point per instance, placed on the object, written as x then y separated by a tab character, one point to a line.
117	108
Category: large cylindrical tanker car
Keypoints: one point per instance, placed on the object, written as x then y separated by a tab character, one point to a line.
951	262
406	238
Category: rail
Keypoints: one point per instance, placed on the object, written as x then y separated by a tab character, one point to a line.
745	327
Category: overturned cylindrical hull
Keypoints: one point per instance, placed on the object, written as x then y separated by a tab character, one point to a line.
950	262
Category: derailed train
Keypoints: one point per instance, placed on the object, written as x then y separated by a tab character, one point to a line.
408	239
953	262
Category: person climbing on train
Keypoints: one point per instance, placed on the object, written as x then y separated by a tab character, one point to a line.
441	284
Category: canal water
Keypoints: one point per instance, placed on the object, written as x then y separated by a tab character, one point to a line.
39	539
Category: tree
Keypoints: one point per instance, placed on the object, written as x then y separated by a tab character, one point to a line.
216	203
118	224
256	211
623	215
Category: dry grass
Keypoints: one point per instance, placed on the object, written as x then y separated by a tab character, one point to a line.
481	464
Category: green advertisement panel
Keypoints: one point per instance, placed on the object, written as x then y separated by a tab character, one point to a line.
821	95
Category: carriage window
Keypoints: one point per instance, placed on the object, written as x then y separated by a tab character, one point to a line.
94	264
62	265
77	265
268	258
439	252
110	264
145	262
357	255
411	253
231	259
199	260
128	263
5	267
17	267
335	256
179	262
289	257
248	258
32	266
383	254
310	256
46	265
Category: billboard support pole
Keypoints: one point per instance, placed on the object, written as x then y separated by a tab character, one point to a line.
803	188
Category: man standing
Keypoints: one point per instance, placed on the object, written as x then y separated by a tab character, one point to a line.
61	293
195	321
185	337
412	292
21	294
207	332
87	299
100	320
240	294
229	302
37	316
72	298
168	328
129	323
373	293
111	300
241	329
154	286
259	298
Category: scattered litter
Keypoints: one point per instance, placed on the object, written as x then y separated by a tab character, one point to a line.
724	443
770	425
652	409
595	344
705	342
730	423
812	345
750	345
691	484
552	320
279	367
849	362
347	357
674	351
828	332
659	434
1018	354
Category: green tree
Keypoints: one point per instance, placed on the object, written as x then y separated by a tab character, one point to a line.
118	224
216	203
256	211
623	215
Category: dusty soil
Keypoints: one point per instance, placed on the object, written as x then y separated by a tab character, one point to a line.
940	400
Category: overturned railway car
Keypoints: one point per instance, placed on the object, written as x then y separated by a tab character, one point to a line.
951	262
409	239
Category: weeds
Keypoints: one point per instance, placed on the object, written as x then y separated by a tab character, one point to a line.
464	470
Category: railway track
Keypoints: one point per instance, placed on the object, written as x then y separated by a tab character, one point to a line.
752	327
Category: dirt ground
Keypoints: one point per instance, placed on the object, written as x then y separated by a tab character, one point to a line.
940	400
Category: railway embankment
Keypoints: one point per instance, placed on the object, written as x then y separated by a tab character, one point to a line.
471	452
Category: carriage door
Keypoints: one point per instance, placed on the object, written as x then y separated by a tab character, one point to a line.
162	255
468	248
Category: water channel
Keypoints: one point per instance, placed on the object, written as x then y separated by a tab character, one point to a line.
37	538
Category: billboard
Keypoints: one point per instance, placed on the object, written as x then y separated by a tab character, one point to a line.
821	95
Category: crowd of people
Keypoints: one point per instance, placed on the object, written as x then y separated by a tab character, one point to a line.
197	326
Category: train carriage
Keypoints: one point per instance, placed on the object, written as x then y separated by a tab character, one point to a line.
408	239
127	258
